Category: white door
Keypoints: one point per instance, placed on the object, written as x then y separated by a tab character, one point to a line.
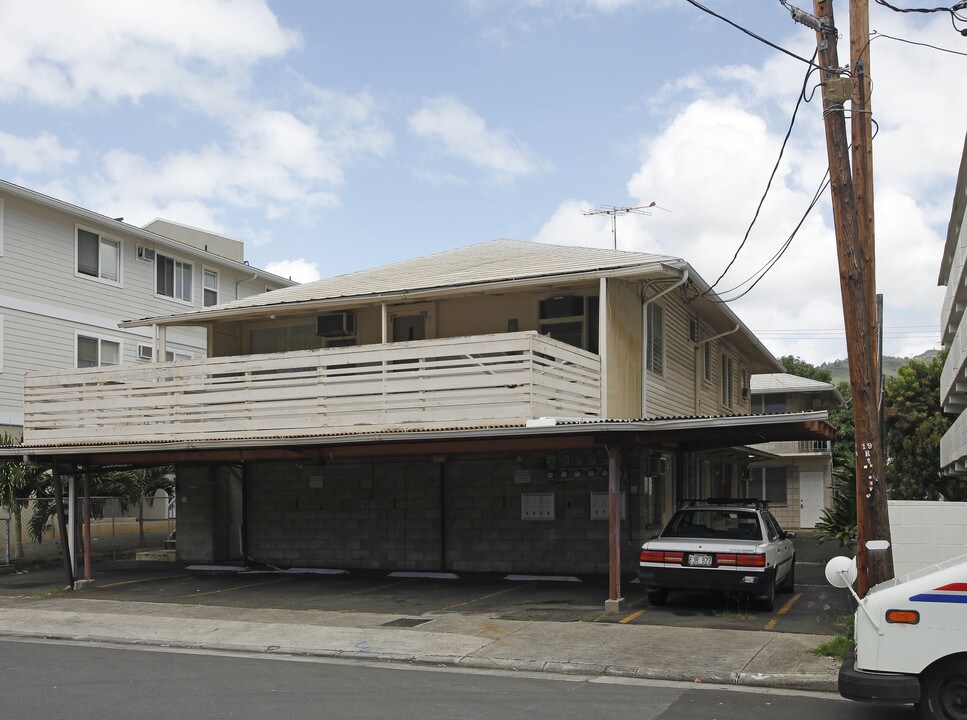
810	498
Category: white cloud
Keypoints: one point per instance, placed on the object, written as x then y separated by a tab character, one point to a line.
30	155
61	52
300	270
463	134
710	162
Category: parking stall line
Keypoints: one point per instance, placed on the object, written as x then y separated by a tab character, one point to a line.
633	616
230	589
142	580
782	611
484	597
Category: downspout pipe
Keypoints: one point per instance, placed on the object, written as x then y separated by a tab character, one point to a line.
645	301
698	345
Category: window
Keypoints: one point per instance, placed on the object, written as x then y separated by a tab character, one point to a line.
728	387
571	320
655	352
97	352
768	483
210	287
769	403
173	278
1	343
708	360
283	339
98	256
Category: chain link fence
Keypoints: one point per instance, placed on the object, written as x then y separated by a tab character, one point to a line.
29	532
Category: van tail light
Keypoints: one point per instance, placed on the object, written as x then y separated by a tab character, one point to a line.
904	617
740	560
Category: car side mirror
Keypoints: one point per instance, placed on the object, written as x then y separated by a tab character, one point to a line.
791	535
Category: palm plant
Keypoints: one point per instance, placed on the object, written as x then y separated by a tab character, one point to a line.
18	483
838	521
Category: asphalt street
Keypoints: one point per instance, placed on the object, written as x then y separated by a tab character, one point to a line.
84	682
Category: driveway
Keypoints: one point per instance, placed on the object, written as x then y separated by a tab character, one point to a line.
814	608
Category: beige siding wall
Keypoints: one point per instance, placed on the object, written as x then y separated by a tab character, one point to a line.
624	352
682	388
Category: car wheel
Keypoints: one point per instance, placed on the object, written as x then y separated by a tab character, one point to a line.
768	600
658	597
789	582
944	691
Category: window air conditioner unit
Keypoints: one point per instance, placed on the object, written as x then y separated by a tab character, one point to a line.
338	324
146	254
657	465
145	352
745	393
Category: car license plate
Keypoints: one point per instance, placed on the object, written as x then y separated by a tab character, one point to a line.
700	560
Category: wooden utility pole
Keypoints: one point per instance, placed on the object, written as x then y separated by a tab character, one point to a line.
852	218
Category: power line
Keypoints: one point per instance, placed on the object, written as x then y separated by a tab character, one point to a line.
914	42
752	34
953	10
772	175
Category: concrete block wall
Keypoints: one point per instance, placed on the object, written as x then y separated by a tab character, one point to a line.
195	511
393	514
925	533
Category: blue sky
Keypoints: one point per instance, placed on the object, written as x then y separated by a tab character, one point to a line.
335	136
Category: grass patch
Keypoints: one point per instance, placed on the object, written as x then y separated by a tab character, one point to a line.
838	646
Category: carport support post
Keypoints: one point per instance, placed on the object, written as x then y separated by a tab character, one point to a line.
614	601
87	523
62	525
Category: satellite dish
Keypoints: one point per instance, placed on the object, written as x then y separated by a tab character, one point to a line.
841	571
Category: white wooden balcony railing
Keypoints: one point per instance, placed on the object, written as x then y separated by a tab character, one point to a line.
796	447
423	384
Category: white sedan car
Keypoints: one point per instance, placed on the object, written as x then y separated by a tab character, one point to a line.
735	546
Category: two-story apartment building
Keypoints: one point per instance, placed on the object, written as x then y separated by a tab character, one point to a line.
953	380
797	479
507	406
68	276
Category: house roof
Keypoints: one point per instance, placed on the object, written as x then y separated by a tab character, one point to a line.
786	383
493	262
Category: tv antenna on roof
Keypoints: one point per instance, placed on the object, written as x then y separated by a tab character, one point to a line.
614	211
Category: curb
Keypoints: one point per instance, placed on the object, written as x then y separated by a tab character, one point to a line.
785	681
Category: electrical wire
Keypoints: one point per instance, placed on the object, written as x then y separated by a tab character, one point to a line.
914	42
772	175
953	10
748	32
757	276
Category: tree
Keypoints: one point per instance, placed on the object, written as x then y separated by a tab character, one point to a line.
134	487
800	368
914	423
18	483
131	486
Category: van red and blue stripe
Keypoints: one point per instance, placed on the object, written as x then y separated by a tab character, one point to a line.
952	593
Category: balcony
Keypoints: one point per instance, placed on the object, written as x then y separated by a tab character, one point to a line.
427	384
796	447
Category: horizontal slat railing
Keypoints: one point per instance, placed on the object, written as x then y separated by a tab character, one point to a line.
421	385
796	447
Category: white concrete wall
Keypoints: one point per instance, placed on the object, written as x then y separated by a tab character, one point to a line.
925	533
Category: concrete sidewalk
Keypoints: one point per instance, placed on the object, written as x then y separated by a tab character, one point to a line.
735	657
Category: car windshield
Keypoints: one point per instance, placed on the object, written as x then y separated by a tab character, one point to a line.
723	524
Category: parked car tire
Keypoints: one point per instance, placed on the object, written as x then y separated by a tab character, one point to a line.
768	600
789	582
658	597
944	691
